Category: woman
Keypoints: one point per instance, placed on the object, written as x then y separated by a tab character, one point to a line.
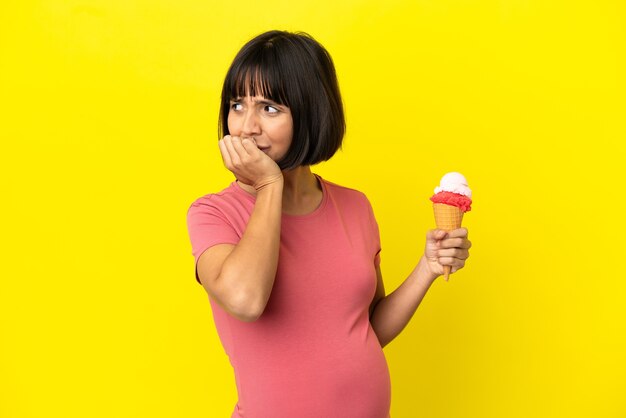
291	261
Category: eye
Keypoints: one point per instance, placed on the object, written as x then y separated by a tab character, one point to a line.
236	106
270	109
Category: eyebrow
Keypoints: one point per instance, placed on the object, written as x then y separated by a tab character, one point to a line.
262	101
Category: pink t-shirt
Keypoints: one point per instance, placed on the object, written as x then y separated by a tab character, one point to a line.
313	352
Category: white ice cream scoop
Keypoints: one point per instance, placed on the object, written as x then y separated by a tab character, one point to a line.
455	183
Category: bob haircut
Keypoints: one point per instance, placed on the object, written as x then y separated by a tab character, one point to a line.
294	70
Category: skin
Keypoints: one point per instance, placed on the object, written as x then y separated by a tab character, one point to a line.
240	277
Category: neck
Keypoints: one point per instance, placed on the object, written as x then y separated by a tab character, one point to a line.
299	181
301	193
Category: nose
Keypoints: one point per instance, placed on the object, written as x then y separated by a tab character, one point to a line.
250	125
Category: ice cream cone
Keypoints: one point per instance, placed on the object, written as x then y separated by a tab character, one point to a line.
447	217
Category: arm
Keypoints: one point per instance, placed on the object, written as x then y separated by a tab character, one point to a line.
390	314
240	277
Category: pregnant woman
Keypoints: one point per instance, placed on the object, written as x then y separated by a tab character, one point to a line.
291	261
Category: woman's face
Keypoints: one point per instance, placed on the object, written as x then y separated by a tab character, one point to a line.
269	123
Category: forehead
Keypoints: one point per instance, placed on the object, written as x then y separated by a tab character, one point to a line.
254	82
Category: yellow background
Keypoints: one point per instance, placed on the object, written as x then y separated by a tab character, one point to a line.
108	128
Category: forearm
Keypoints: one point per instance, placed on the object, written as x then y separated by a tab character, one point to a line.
393	312
248	272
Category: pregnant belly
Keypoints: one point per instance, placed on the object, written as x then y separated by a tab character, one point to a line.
351	381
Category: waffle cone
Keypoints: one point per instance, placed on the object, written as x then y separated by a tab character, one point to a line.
447	217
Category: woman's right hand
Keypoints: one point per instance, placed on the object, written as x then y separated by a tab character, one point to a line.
248	163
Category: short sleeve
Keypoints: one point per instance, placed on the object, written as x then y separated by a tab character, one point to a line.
208	226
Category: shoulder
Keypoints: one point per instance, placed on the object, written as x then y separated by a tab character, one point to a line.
337	189
213	196
353	203
346	195
220	201
229	194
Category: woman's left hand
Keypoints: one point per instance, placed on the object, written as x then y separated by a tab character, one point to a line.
446	249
